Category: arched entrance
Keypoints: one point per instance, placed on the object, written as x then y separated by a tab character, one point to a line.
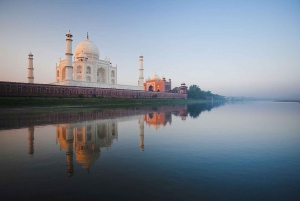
101	75
150	88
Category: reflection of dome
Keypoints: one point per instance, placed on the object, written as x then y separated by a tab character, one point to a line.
87	157
155	77
87	47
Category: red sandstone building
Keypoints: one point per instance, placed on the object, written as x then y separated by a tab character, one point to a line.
157	84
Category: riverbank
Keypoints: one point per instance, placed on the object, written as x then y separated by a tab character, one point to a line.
286	101
33	102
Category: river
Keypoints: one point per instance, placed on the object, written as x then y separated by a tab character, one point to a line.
214	151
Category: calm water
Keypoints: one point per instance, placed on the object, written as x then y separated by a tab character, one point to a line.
232	151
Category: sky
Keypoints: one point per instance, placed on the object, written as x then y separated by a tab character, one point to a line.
232	48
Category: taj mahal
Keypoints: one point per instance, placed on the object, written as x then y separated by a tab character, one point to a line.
88	70
86	75
87	66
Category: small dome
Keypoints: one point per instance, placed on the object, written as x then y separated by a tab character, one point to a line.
155	77
182	83
87	47
30	54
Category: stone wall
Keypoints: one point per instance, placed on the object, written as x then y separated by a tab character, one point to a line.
17	89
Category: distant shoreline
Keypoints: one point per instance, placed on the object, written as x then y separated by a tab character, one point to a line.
293	101
42	102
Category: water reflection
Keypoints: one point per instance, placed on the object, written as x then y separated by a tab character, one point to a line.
30	140
164	153
85	139
195	110
82	133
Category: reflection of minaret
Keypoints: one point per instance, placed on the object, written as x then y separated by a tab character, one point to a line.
69	151
30	140
141	123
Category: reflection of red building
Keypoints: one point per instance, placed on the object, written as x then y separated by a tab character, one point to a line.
158	119
157	84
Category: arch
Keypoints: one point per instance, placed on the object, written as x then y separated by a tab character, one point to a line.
79	69
88	70
79	77
101	75
112	73
64	73
88	78
150	88
112	81
158	90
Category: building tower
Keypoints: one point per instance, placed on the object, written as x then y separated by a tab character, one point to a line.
141	77
141	124
69	67
30	140
30	68
183	89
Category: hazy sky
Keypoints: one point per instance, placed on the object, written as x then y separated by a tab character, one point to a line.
232	48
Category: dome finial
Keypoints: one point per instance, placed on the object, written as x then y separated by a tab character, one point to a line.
87	35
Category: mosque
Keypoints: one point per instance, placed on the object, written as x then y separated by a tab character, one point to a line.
88	70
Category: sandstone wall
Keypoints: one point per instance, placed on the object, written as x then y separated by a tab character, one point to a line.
17	89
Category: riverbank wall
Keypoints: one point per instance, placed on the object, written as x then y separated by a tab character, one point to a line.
18	89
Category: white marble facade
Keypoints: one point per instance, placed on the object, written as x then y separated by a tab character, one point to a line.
87	66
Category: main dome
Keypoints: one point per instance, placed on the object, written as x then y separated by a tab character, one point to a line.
87	47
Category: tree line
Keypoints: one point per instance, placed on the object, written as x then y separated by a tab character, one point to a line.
194	92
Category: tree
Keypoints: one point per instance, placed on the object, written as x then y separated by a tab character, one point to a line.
195	92
175	88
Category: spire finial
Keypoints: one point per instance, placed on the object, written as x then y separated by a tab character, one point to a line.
87	35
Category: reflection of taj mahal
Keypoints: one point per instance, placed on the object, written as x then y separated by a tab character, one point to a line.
82	141
86	139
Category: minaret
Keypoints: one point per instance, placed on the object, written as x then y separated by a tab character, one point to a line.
141	77
69	67
69	151
30	140
141	124
30	68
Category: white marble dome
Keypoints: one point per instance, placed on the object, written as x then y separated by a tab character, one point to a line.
87	47
155	77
